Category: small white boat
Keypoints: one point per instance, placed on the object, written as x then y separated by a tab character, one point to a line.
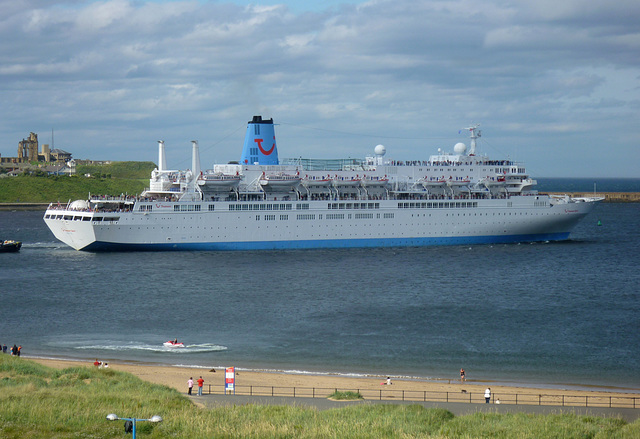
346	181
279	180
219	180
374	181
316	181
173	344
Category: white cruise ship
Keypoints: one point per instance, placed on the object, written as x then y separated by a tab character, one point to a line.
262	202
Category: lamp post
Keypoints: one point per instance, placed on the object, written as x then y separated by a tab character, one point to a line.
114	417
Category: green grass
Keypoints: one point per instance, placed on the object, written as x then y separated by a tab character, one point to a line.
41	402
114	179
127	170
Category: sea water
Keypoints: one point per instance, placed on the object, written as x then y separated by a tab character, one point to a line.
562	313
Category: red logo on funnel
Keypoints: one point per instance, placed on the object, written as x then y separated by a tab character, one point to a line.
262	150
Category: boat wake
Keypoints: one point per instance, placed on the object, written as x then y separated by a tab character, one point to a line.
43	244
130	347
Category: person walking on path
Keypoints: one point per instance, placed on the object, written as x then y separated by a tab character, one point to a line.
487	395
200	383
190	384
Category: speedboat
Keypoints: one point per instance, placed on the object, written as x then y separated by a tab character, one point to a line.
173	344
10	246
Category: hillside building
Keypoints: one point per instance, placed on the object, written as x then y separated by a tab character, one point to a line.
29	151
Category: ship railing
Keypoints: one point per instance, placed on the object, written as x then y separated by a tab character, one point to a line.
87	209
113	198
171	189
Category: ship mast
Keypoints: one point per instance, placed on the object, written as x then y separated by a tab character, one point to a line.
475	133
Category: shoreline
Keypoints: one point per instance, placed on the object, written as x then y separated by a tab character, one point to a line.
176	376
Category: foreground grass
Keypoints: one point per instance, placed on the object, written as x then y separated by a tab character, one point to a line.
41	402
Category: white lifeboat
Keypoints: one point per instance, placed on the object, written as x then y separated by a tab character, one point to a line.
346	181
494	181
312	180
458	181
374	181
219	180
279	180
432	182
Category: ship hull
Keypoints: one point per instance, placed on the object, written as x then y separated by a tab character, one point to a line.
312	225
324	244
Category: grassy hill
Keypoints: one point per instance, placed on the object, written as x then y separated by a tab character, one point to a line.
126	170
41	402
113	179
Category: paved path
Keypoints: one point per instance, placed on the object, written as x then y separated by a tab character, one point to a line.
457	408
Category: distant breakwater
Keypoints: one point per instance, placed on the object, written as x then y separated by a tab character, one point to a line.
609	197
24	206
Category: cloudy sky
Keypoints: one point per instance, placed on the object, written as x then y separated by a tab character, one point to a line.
555	84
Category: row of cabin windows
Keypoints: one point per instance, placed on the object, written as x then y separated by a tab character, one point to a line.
333	206
261	206
438	205
341	206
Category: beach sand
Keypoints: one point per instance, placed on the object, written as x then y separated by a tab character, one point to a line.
176	377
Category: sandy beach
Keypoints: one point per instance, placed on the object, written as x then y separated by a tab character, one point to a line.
260	382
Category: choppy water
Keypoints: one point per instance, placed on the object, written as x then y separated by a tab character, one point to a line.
536	313
598	185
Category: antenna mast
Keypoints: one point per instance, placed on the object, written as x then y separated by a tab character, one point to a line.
475	133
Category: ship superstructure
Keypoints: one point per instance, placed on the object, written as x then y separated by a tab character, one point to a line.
261	202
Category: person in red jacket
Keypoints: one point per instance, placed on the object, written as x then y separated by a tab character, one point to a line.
200	383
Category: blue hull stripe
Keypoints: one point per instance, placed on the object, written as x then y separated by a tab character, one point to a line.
330	243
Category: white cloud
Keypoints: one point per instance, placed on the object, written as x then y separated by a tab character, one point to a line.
99	15
120	74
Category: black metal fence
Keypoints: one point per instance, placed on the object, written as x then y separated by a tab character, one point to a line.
438	396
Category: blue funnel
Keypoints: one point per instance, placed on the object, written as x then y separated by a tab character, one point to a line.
260	143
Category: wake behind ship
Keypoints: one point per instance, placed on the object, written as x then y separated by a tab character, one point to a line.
263	203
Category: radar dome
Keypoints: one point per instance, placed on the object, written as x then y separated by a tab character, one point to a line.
460	148
380	150
79	205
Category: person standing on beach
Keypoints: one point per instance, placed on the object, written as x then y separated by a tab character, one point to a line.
200	383
462	377
487	395
190	384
